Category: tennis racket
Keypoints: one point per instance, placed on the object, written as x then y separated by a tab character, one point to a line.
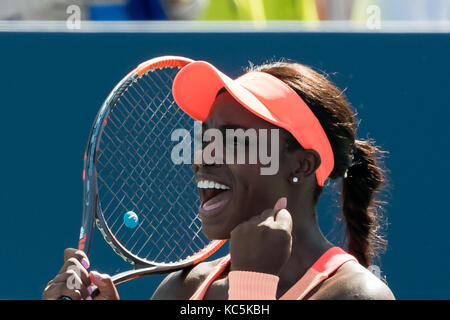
144	205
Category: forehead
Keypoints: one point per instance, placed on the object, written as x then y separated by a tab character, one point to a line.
227	111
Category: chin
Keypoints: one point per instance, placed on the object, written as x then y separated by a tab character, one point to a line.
217	226
211	234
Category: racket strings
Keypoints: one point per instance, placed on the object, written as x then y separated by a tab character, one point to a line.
146	233
136	173
147	209
161	102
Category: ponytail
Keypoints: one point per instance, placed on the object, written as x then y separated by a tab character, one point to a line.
363	178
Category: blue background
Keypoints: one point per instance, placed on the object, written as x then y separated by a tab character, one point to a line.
52	85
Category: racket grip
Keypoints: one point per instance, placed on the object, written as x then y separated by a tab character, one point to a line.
95	292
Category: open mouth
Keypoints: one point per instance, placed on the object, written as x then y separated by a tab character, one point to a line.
214	196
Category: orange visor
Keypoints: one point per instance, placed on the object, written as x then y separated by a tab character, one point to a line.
196	85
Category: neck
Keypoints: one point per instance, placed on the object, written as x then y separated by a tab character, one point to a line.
308	244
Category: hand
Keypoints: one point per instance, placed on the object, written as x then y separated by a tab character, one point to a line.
263	243
75	282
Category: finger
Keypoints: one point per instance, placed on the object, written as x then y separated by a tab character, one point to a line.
104	284
284	219
74	264
79	255
269	214
62	277
58	290
74	282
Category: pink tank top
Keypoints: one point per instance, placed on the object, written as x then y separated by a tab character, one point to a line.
328	263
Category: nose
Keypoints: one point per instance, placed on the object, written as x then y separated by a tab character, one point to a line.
208	155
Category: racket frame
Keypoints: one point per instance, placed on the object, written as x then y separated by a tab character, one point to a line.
91	207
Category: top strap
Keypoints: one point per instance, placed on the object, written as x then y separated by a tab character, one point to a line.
217	271
328	263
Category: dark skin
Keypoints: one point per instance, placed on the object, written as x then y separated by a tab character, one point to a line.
350	281
266	235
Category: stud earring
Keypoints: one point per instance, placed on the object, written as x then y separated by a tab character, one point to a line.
294	179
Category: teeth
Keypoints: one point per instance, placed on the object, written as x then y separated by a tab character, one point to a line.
206	184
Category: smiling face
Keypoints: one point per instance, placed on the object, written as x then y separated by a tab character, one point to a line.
233	193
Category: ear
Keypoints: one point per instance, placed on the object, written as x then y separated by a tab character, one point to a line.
305	163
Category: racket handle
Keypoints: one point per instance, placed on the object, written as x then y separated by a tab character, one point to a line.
95	292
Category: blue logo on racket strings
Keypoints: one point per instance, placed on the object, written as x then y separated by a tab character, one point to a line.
130	219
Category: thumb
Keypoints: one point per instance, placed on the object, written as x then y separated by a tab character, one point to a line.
107	289
270	214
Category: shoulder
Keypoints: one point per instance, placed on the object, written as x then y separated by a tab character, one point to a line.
182	284
353	282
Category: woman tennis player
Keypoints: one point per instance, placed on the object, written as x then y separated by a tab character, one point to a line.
277	250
